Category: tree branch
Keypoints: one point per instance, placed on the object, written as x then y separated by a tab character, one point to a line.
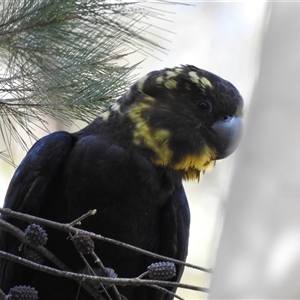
106	280
68	228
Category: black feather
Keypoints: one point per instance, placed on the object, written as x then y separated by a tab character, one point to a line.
106	167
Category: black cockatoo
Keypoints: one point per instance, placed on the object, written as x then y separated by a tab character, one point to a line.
129	163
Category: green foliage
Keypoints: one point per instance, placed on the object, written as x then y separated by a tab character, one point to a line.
60	59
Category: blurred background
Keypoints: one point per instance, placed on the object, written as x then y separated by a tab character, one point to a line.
245	213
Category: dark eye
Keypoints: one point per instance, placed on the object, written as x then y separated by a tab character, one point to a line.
204	107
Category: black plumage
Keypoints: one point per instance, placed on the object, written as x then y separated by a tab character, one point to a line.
128	164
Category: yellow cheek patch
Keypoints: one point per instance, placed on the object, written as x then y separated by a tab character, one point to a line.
135	114
155	139
161	147
158	141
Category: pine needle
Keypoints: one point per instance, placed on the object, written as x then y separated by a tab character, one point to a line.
61	59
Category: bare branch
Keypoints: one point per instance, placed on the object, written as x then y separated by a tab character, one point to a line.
68	228
106	280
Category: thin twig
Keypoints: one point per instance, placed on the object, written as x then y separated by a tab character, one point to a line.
91	212
107	280
68	228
